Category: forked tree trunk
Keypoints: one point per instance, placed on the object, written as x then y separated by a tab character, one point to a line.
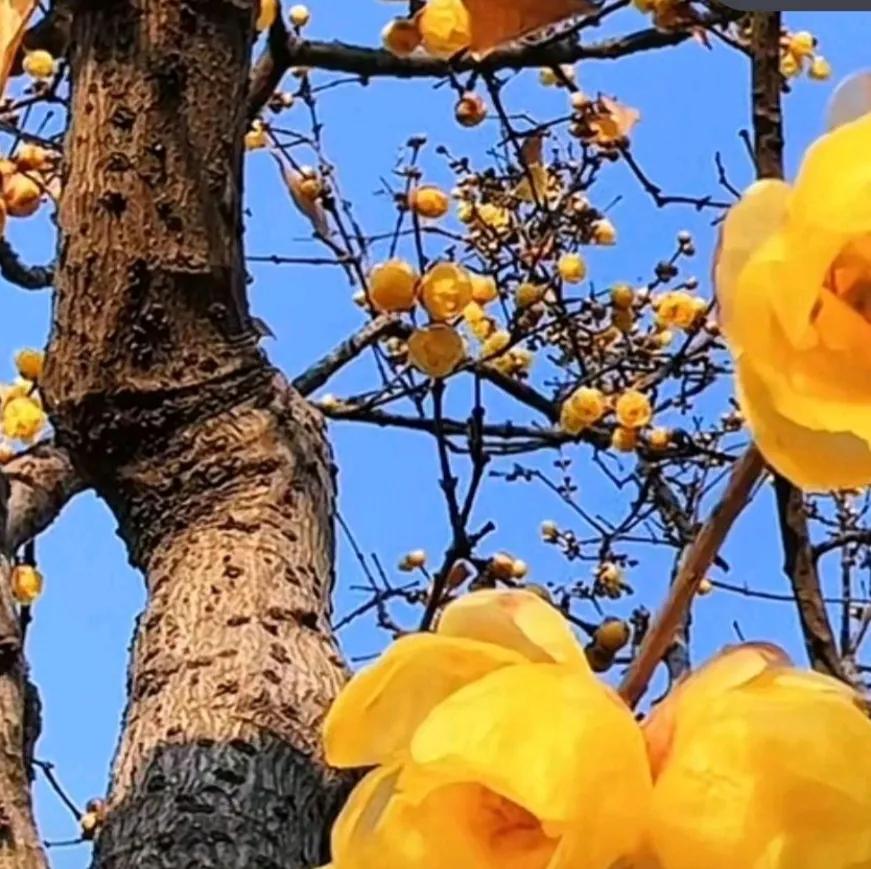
218	473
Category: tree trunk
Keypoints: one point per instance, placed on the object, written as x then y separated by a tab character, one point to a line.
218	473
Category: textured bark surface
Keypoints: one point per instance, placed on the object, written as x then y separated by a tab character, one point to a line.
20	847
217	471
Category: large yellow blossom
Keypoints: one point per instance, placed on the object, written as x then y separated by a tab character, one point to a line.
494	747
759	765
794	288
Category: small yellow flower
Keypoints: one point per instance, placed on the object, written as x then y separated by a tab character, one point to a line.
820	69
622	296
299	15
528	294
445	290
429	201
494	217
445	27
26	584
29	363
633	409
583	408
22	195
392	286
23	419
705	587
484	289
400	37
38	64
572	268
677	308
436	350
477	320
604	232
612	635
495	345
624	440
801	44
790	65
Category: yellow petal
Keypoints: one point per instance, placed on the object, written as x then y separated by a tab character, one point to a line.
541	737
776	774
376	714
517	620
816	459
749	223
734	666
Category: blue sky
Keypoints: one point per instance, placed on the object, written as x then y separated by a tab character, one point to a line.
693	102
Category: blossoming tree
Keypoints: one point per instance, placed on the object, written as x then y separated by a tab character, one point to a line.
154	391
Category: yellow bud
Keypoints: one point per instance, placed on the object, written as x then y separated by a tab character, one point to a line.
436	350
38	64
471	110
624	440
802	43
255	138
790	65
612	635
549	531
299	15
26	584
622	296
502	566
705	587
519	569
659	438
29	363
393	286
413	560
429	201
21	194
604	232
572	268
484	289
528	294
820	69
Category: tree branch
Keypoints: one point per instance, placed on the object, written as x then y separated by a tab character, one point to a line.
798	554
321	371
24	276
40	483
698	559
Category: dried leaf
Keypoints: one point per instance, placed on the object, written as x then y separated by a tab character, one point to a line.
309	206
14	15
612	122
495	22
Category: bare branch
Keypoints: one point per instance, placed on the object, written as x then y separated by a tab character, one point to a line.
698	559
24	276
41	481
318	374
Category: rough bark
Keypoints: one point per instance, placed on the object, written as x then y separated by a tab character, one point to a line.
219	474
20	847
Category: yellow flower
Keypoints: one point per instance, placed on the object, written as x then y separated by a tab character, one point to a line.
793	281
429	201
633	409
802	43
29	363
494	346
256	138
493	745
445	27
790	65
677	308
38	64
26	584
393	286
572	268
268	11
400	37
583	408
484	289
492	216
528	294
23	418
786	756
436	350
445	290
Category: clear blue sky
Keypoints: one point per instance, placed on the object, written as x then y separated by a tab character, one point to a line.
693	102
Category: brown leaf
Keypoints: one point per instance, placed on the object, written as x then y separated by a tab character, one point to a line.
14	15
495	22
309	206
